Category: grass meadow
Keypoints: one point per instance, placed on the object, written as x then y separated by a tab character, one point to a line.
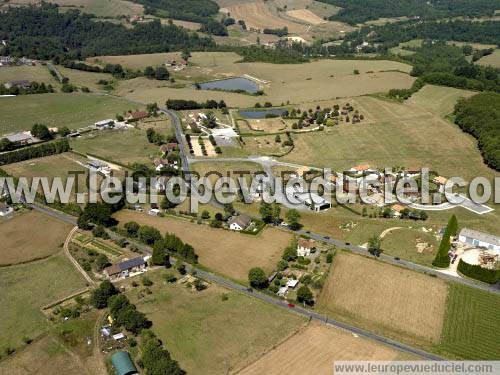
25	289
71	110
211	335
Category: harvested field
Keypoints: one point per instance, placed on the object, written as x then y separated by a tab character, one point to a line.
493	59
210	335
18	248
185	24
408	305
25	289
314	349
258	16
306	15
229	253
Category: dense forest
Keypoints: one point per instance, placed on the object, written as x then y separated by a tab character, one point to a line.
358	11
480	116
188	10
44	33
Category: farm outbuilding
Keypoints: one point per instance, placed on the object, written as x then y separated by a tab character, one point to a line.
122	364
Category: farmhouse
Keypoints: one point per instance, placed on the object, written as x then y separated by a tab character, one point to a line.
240	222
305	246
136	116
479	239
21	138
397	209
440	181
5	209
124	268
360	169
21	84
292	283
168	148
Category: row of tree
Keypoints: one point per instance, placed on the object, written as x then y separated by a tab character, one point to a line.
46	149
181	104
442	259
34	88
169	244
475	271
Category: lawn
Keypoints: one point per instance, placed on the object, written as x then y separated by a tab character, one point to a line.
36	73
385	299
209	335
123	146
85	79
314	349
229	253
71	110
28	287
19	248
403	243
471	324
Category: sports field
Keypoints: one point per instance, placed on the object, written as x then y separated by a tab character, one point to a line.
389	300
471	319
209	335
123	146
25	289
314	349
71	110
18	248
229	253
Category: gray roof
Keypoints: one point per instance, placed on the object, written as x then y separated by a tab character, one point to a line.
19	137
483	237
125	265
242	220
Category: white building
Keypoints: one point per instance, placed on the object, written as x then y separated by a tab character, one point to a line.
479	239
99	166
292	283
109	123
240	222
304	247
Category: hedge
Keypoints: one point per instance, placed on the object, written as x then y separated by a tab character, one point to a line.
46	149
477	272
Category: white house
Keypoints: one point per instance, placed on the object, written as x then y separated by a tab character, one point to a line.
99	166
109	123
282	291
479	239
292	283
304	247
240	222
154	212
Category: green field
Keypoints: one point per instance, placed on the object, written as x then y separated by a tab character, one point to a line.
122	146
36	73
71	110
209	335
438	100
80	78
471	324
402	243
25	289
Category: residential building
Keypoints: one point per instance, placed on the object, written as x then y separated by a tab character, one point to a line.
123	269
136	116
240	222
22	84
154	212
99	166
397	209
440	181
305	246
168	148
21	138
105	124
479	239
292	283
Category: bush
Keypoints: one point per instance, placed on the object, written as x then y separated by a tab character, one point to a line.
477	272
257	278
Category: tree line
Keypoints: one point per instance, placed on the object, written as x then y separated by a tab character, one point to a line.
479	116
181	104
51	148
34	88
442	259
155	358
475	271
359	11
72	35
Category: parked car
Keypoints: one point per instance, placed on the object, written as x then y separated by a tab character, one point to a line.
291	305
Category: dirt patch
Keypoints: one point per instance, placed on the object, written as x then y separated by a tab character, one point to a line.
230	253
313	350
385	298
306	15
46	235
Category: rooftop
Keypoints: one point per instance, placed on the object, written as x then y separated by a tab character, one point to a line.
481	236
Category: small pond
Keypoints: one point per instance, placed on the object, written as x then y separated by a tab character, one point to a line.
262	113
231	84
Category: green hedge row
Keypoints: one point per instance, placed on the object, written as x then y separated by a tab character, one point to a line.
477	272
